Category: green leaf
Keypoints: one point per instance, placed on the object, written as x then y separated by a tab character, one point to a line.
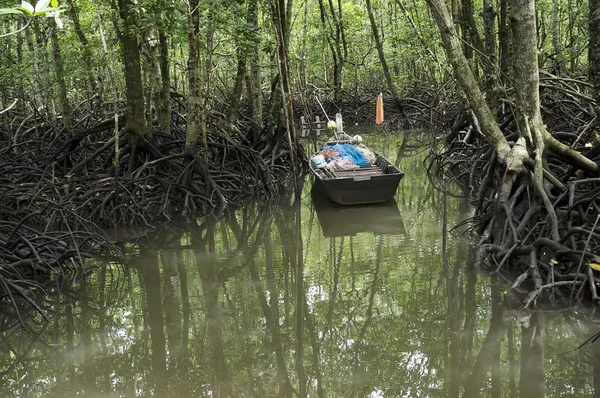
554	261
42	5
4	11
54	3
27	7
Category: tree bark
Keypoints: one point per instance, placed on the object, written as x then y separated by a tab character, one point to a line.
196	126
60	78
594	50
165	94
525	64
210	38
86	51
559	59
526	78
467	81
280	17
384	65
136	125
255	85
238	86
471	33
41	60
490	65
242	57
20	92
336	39
152	72
503	39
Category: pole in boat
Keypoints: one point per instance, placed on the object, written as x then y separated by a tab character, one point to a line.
323	109
379	109
339	122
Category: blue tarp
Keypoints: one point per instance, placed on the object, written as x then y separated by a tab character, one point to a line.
349	151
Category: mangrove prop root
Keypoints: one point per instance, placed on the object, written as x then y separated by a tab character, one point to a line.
546	253
57	194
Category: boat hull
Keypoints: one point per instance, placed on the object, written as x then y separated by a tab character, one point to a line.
355	187
375	190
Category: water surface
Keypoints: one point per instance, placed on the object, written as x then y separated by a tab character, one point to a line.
302	298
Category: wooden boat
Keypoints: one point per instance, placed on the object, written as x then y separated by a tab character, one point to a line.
337	220
373	184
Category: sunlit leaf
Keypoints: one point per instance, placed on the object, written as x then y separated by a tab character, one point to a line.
58	21
595	266
54	3
27	7
42	5
554	261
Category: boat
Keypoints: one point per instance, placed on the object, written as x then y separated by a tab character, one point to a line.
375	183
336	220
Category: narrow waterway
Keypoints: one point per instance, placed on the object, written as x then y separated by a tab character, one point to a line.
303	299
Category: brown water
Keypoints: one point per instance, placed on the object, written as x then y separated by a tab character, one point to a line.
302	299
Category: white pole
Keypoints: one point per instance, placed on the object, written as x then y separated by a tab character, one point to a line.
339	122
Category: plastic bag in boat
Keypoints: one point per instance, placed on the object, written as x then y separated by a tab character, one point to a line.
330	154
341	164
349	151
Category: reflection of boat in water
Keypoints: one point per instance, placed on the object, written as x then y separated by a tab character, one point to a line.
338	220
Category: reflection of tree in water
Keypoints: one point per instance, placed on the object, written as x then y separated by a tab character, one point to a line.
59	346
258	304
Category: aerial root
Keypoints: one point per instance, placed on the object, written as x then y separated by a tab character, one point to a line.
538	229
57	196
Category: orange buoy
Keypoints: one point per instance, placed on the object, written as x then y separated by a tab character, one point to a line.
379	109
